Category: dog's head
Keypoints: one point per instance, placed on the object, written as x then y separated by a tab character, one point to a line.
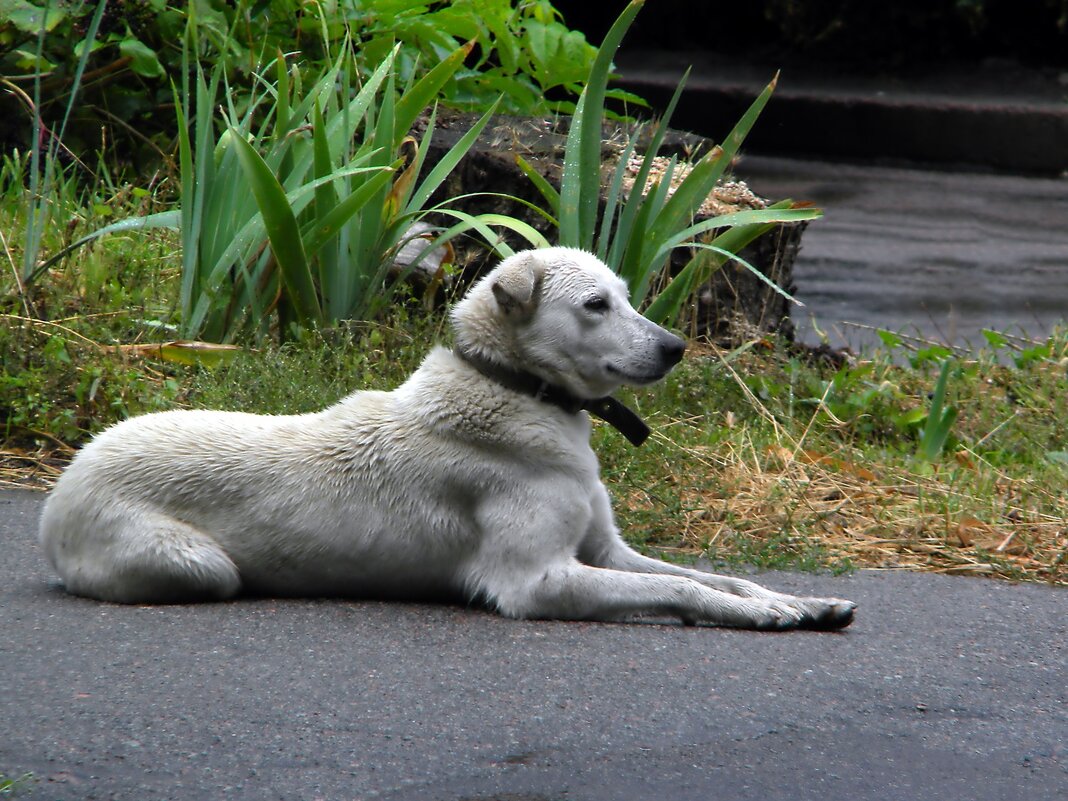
564	316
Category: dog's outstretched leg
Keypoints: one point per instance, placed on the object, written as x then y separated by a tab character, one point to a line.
139	557
574	591
603	547
815	613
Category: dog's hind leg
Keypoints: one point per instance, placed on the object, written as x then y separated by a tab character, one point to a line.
145	557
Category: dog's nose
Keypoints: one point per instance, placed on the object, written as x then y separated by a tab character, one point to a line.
672	348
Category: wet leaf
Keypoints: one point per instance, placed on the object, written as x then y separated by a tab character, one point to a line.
205	354
143	59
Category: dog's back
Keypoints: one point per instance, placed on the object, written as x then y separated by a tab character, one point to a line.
374	496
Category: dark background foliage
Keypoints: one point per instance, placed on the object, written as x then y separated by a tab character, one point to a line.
865	34
521	51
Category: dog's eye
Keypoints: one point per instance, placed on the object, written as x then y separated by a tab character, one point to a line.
596	304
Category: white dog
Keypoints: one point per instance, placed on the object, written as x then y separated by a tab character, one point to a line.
473	480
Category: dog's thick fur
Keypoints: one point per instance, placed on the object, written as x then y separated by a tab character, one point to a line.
453	485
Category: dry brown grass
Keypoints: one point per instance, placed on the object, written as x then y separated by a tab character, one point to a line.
881	517
808	488
752	485
37	469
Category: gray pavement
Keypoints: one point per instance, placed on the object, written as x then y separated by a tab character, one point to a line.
944	688
992	116
941	255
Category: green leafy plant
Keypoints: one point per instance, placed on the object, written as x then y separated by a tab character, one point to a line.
1022	354
335	219
351	237
523	57
638	231
938	425
857	398
301	205
46	168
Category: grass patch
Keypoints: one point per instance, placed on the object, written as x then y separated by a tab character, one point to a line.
757	457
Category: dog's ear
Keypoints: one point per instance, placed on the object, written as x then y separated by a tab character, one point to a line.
516	283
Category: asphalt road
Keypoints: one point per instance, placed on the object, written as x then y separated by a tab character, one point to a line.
938	254
944	688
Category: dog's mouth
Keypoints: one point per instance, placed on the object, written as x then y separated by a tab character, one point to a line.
636	379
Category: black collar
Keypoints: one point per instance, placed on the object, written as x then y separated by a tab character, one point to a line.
612	411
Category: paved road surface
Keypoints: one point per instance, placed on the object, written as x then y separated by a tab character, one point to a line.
939	254
944	688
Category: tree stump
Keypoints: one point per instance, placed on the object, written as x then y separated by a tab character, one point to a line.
732	307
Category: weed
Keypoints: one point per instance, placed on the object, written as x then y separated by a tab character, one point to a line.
639	229
940	418
805	467
790	464
11	787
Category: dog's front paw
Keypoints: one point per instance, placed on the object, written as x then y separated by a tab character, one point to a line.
827	614
777	616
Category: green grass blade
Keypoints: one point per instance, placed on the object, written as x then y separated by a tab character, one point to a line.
325	195
422	93
734	139
572	181
624	254
613	198
448	162
940	418
613	246
511	198
196	156
326	256
546	189
374	220
723	248
342	128
330	224
732	255
583	148
482	222
781	212
323	88
688	196
163	219
284	121
235	257
185	162
283	233
634	267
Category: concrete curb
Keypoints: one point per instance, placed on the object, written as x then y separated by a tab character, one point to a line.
997	117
